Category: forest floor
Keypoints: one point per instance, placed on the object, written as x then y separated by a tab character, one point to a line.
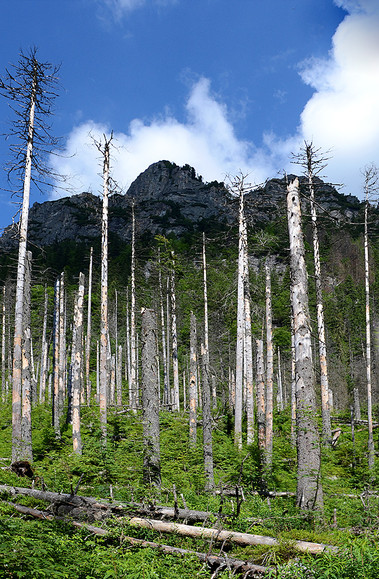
55	547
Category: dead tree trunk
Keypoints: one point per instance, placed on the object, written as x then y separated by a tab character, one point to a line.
174	343
369	175
55	382
104	149
76	366
26	418
193	383
3	353
163	333
261	413
150	399
207	423
240	322
309	489
62	356
44	352
89	329
269	370
133	393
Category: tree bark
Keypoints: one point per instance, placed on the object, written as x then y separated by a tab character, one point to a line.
207	423
133	393
89	329
174	336
104	327
44	352
269	370
240	325
324	380
76	367
193	383
261	413
21	264
150	399
371	449
55	381
309	489
26	417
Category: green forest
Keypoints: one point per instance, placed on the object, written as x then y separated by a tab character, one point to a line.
249	495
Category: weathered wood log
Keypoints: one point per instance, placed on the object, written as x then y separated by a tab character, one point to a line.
249	569
225	536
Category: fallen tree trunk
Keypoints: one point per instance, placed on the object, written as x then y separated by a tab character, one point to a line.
225	536
96	509
249	569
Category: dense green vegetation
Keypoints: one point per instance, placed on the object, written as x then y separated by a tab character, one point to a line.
57	549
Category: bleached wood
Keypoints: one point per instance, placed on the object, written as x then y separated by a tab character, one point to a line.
309	488
76	366
193	382
269	369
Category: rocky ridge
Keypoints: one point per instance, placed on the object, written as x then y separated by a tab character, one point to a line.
168	200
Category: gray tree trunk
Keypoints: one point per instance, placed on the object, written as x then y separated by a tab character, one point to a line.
133	393
150	399
174	337
76	366
163	333
104	324
19	306
62	347
26	418
44	352
193	382
89	329
324	380
240	327
261	413
55	380
371	449
3	352
207	423
269	370
309	489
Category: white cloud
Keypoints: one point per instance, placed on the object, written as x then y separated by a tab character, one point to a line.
343	113
122	7
342	116
206	141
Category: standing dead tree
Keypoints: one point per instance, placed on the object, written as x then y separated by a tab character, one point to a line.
371	187
313	163
150	398
104	147
309	489
31	89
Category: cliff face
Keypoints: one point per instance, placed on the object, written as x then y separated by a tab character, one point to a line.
168	200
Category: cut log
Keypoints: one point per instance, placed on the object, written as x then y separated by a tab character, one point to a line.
249	569
93	509
225	536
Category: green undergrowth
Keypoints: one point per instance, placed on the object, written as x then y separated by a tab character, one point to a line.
32	548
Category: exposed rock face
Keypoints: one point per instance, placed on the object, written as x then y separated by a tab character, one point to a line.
168	200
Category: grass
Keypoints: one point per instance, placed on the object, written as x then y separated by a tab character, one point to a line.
32	548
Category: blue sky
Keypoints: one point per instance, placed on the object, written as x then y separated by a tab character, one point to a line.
224	86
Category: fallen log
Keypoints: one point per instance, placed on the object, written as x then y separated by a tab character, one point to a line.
98	509
243	539
249	569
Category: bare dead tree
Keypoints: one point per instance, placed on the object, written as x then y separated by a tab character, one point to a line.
313	162
104	147
371	188
309	489
31	88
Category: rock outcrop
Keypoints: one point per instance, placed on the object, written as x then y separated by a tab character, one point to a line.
168	200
